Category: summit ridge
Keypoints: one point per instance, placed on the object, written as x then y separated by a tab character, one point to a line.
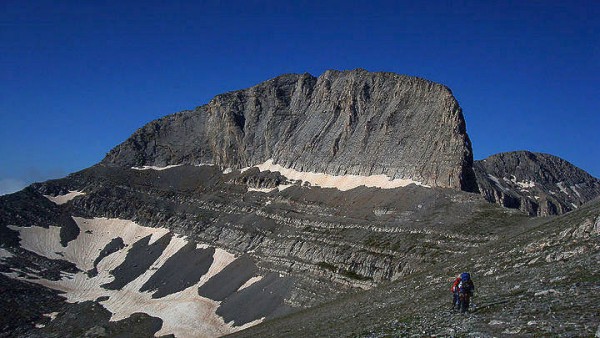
340	123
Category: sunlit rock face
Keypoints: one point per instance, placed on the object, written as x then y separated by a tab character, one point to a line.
539	184
341	123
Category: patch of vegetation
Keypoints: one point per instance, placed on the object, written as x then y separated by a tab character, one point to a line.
398	245
582	275
373	240
380	242
353	275
327	266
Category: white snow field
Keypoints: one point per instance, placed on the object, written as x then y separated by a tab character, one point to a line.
250	282
62	199
523	185
497	181
184	313
152	167
340	182
265	190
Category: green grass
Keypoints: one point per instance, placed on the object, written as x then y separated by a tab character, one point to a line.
342	271
353	275
327	266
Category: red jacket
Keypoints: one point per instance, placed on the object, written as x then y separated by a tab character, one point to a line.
454	287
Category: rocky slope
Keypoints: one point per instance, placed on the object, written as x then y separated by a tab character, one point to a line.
307	244
350	122
540	278
313	248
539	184
300	207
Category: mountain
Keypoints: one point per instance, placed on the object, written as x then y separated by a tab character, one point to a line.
340	205
538	184
341	123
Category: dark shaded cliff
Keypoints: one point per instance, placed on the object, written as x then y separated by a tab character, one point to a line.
539	184
350	122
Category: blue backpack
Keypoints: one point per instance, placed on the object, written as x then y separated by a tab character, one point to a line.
465	283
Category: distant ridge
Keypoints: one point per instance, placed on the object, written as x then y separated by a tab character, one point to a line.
539	184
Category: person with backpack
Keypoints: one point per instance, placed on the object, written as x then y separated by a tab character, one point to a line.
454	290
462	291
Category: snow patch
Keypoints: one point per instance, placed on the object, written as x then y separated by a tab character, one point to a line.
340	182
561	186
227	171
525	184
62	199
574	188
247	325
250	282
221	259
265	190
152	167
522	184
51	315
95	234
184	313
497	181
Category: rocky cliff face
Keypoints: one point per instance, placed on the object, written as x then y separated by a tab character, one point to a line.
350	122
539	184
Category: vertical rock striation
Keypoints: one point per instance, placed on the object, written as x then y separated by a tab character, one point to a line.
343	122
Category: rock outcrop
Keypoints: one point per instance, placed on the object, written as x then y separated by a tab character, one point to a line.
343	122
539	184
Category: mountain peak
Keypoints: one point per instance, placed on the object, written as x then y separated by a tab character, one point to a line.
342	123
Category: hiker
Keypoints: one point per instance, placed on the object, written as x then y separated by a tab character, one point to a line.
462	289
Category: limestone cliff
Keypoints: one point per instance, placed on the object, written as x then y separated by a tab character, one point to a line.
343	122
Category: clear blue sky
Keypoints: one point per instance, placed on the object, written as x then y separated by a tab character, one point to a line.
78	77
